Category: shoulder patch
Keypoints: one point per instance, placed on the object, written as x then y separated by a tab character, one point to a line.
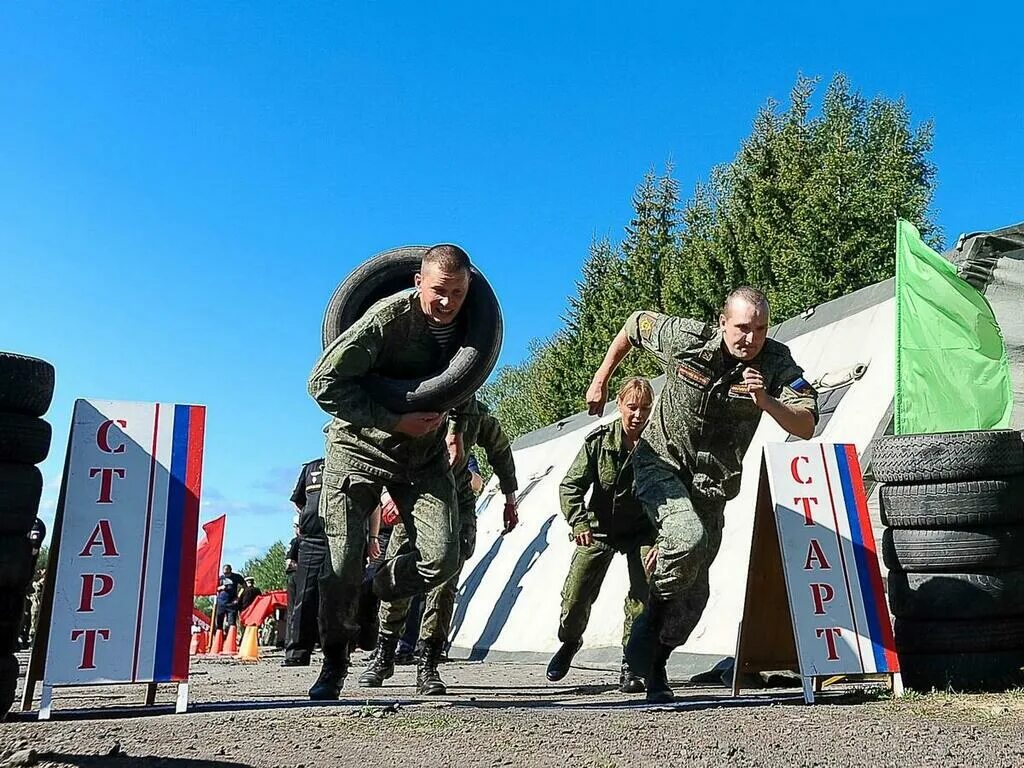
800	385
645	324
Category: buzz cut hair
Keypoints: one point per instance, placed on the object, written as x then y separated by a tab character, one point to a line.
638	386
749	294
447	257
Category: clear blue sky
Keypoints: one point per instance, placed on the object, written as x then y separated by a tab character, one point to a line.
183	185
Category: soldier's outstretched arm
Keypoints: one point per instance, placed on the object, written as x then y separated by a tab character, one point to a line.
597	394
334	381
496	445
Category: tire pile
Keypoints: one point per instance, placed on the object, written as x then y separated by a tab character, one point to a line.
953	505
26	389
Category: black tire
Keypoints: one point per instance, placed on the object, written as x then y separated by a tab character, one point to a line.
26	384
947	456
23	439
16	561
980	549
8	682
954	596
962	671
12	615
480	320
21	487
975	636
969	504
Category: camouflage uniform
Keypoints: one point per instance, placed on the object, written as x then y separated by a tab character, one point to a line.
688	462
364	455
478	427
615	519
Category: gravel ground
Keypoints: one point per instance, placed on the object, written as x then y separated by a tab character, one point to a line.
506	714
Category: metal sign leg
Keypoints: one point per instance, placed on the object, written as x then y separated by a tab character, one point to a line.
808	690
45	701
181	703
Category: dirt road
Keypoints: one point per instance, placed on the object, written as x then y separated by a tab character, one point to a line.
506	714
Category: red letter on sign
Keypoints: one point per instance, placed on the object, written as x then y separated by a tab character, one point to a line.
89	590
103	436
814	553
805	503
830	634
106	482
89	646
796	473
101	535
821	594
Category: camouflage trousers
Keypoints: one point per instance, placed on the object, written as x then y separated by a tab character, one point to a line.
587	570
439	604
431	557
689	537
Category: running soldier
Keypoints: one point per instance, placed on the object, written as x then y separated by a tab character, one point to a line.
477	427
718	382
369	447
612	522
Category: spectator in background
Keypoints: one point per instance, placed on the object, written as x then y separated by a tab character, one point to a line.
311	552
227	599
291	566
249	594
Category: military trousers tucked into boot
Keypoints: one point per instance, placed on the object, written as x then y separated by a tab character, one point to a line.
587	571
430	557
689	537
439	602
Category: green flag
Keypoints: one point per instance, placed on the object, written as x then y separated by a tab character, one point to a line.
951	366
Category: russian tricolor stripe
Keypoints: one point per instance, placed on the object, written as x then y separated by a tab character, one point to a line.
865	560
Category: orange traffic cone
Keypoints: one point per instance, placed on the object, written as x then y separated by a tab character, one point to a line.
250	648
230	642
218	642
198	644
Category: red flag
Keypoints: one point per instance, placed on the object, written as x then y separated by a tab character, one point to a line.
208	556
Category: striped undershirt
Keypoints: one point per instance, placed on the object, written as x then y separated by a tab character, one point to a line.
444	335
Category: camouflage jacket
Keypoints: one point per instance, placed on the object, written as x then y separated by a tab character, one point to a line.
478	427
704	419
604	463
391	339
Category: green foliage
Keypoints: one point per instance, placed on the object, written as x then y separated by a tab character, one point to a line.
806	211
268	569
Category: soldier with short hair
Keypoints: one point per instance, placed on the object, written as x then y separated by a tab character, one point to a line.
611	522
719	380
407	335
474	422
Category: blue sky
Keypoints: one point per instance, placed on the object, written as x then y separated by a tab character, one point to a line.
183	185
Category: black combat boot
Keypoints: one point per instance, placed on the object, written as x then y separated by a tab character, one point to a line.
658	691
428	681
559	665
332	676
630	681
383	665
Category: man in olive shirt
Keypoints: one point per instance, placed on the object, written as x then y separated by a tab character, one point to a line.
474	422
613	521
718	382
406	335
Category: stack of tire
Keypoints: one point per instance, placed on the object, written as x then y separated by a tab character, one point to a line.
26	389
954	546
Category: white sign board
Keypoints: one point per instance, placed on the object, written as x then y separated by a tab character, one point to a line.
837	601
122	606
